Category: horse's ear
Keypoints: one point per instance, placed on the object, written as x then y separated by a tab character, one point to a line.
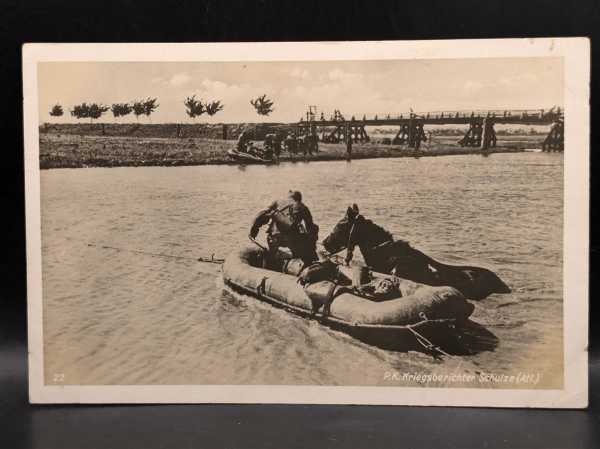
352	211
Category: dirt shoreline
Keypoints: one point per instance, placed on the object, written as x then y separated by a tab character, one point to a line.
83	151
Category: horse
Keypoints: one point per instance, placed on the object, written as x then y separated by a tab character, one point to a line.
383	253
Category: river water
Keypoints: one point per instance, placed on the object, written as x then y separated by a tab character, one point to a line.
113	316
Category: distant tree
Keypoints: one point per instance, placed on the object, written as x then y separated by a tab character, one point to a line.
92	111
144	107
194	108
138	108
97	110
80	111
121	109
56	110
263	105
213	107
150	105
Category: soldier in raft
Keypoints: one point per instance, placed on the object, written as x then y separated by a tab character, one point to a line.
277	145
314	142
290	226
291	143
271	147
244	141
301	145
267	152
307	144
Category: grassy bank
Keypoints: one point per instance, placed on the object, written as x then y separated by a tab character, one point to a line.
75	151
149	130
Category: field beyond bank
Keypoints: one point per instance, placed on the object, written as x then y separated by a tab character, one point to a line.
114	145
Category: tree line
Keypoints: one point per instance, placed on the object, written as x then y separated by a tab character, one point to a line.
193	108
94	111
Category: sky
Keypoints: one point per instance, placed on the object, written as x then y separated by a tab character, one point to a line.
354	87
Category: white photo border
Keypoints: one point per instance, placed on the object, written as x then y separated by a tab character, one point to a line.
576	54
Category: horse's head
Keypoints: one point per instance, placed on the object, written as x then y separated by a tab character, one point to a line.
338	238
481	282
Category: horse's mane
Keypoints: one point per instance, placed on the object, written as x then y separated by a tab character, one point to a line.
375	228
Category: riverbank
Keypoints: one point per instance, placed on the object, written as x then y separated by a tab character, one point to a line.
78	151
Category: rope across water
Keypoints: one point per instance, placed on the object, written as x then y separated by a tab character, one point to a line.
211	259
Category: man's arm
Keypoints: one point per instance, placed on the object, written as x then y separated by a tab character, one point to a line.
307	217
261	219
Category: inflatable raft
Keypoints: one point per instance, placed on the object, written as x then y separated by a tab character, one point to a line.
248	158
422	317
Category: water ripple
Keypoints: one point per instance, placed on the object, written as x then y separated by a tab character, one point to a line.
115	316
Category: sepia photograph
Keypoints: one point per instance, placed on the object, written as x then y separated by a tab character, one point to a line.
381	222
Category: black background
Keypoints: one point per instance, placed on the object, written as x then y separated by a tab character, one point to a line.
261	426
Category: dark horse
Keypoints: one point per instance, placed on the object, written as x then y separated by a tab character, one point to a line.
384	254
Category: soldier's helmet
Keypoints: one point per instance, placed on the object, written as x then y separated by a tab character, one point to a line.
295	195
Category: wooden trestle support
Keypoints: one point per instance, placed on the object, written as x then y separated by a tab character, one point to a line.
411	133
480	134
352	130
555	140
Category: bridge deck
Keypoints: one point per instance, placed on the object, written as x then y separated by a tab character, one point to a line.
522	117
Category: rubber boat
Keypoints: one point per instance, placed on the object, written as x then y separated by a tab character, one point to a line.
423	318
247	157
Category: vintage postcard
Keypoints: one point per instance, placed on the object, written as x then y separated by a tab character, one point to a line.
318	223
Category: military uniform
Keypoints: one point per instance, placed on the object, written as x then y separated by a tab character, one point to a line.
244	140
290	226
291	143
